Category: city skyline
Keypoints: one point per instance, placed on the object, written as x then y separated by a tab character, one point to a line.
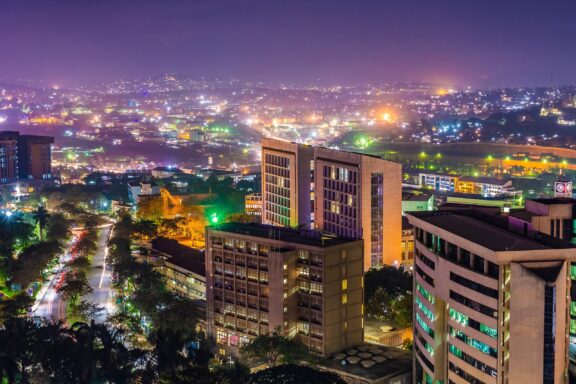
484	45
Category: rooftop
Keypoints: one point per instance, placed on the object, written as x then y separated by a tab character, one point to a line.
181	256
523	215
555	200
370	362
489	231
485	180
303	237
416	197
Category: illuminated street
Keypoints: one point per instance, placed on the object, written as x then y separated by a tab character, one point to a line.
49	304
99	277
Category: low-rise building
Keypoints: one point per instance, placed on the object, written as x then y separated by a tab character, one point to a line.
485	186
138	189
183	267
438	182
416	202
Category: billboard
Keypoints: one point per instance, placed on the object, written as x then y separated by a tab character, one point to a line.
563	189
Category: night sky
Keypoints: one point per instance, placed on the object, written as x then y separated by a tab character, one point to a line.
484	43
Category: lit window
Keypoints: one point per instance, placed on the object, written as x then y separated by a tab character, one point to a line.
344	298
344	284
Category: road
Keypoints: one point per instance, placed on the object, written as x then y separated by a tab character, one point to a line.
99	278
49	304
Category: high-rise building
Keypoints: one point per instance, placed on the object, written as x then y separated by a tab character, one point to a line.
287	183
261	278
35	157
343	193
8	156
491	305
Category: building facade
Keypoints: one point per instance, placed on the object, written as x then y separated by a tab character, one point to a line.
8	157
490	304
35	157
253	205
183	268
261	278
343	193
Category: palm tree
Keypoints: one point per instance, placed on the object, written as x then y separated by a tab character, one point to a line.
41	216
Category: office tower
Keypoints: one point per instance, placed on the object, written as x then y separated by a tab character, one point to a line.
490	305
261	278
35	157
286	183
343	193
8	156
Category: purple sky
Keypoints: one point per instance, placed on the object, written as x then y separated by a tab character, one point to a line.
483	43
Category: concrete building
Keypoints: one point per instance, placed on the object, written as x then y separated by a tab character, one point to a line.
138	189
490	305
253	205
287	183
554	217
8	157
261	278
438	182
343	193
183	267
485	186
416	202
35	157
407	247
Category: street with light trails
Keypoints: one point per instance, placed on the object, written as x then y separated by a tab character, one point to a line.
49	304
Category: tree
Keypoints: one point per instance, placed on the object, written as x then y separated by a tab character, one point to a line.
240	218
275	348
88	310
402	310
86	246
75	285
145	229
80	264
58	227
294	374
18	343
393	280
379	305
41	216
32	261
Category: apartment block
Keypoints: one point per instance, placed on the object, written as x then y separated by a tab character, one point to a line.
262	278
342	193
491	305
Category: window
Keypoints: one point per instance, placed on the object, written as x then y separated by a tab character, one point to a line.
472	361
490	292
473	342
221	337
474	305
424	326
427	295
344	284
429	314
469	322
344	298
